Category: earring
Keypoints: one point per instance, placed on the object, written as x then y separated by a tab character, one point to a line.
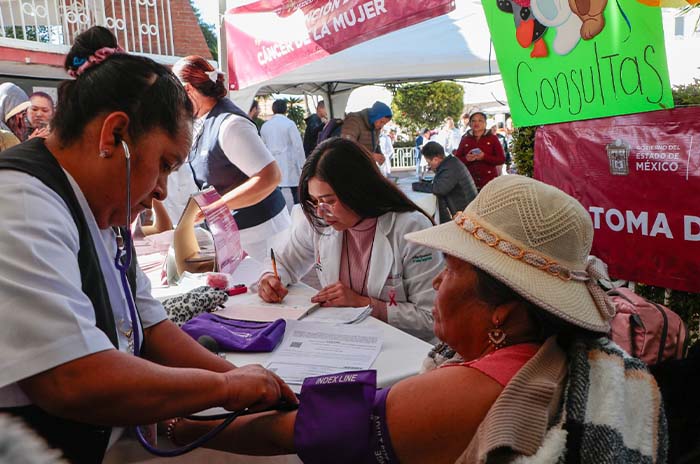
497	337
104	153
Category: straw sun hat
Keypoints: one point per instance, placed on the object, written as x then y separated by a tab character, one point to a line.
535	239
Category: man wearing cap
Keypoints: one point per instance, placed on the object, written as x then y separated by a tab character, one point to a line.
13	109
365	126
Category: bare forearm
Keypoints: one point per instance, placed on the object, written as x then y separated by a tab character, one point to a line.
168	345
255	189
263	434
113	388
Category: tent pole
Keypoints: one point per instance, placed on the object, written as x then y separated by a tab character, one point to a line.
221	43
329	100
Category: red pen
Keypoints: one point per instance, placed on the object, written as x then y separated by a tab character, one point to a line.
236	290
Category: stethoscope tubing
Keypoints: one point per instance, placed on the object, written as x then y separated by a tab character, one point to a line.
124	249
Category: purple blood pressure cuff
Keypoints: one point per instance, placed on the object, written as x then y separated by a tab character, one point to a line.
342	419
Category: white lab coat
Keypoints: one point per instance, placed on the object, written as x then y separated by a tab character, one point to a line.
395	264
388	152
283	139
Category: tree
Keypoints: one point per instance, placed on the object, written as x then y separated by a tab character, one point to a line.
209	32
295	112
426	105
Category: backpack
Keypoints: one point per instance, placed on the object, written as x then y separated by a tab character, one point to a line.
646	330
331	129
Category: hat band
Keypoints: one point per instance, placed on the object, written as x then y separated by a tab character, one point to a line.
536	260
595	268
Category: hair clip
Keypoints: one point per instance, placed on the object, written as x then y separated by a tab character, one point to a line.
213	75
78	60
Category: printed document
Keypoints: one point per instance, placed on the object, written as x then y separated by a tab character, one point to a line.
310	349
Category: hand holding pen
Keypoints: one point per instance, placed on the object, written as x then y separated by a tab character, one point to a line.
270	287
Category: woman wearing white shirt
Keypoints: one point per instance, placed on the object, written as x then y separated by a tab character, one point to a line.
352	233
228	154
84	347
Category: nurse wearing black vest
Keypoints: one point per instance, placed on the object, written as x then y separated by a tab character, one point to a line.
68	333
228	154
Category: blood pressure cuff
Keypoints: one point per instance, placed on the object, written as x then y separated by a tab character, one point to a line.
342	419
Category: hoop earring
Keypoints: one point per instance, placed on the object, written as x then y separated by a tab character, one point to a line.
497	337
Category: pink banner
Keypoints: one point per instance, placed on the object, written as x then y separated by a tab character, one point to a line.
639	178
270	37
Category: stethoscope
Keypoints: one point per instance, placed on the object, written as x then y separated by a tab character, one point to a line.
122	261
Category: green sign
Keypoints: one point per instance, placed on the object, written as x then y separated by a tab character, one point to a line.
579	59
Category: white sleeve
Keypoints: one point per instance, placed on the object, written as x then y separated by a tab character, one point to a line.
297	257
420	266
151	310
243	146
47	320
297	145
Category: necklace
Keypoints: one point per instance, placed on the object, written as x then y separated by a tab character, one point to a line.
347	261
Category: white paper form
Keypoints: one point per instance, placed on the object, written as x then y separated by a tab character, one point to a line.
310	349
334	315
250	307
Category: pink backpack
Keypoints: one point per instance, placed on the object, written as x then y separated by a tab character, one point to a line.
646	330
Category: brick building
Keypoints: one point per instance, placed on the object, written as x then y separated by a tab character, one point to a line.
36	34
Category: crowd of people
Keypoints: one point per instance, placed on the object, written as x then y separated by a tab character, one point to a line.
510	304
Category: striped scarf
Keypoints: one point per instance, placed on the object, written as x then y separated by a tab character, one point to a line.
612	411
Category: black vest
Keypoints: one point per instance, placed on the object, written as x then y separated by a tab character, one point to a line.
211	167
80	442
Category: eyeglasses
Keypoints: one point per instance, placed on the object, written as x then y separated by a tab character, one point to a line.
322	208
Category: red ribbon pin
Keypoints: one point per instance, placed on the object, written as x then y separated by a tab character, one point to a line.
392	297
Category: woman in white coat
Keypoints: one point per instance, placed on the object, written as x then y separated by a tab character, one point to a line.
352	232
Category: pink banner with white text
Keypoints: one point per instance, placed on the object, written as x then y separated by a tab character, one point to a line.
638	176
270	37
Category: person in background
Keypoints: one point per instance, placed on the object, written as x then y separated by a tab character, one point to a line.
452	185
480	151
254	114
449	136
526	373
352	233
365	126
13	101
72	322
422	138
11	96
499	131
40	112
314	126
282	138
228	154
464	124
386	142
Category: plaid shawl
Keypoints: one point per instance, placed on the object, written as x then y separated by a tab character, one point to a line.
612	411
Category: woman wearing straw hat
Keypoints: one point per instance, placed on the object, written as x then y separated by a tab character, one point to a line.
529	375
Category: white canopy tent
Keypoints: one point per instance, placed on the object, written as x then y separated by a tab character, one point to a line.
451	46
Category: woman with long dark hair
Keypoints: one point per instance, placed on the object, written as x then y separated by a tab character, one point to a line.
352	232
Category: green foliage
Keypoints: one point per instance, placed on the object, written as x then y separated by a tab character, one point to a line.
523	150
687	94
33	33
417	106
209	31
687	305
295	112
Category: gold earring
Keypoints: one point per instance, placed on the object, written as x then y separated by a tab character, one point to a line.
497	337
